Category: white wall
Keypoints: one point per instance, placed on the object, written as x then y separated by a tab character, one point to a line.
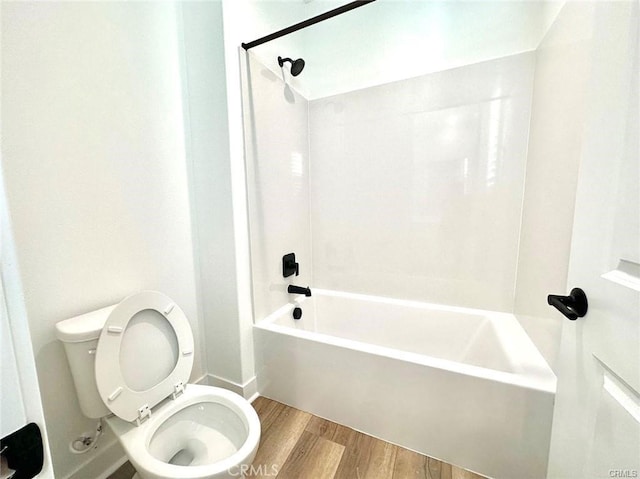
416	185
208	159
94	164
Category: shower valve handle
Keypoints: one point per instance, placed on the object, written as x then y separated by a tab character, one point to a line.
289	265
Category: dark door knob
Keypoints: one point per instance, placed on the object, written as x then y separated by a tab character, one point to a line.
573	306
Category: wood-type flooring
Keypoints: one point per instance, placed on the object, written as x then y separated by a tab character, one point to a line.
298	445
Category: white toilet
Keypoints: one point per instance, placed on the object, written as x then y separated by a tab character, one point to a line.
143	350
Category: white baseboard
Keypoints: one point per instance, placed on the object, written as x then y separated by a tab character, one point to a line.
248	390
113	468
254	397
204	380
105	462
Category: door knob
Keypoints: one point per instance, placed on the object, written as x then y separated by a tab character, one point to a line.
573	306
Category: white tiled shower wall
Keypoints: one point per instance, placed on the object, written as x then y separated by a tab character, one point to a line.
412	189
277	157
416	186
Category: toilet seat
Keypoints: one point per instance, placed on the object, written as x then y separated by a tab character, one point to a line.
122	400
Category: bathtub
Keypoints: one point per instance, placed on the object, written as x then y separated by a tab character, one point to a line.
462	385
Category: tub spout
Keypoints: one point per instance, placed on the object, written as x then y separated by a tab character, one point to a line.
299	290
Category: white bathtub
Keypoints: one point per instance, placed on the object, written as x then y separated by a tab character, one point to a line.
462	385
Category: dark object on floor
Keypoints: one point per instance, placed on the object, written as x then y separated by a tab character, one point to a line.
23	451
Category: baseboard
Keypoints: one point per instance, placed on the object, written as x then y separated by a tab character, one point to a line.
102	464
113	468
254	397
251	389
248	390
203	380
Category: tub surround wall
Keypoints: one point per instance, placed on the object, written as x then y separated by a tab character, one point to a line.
557	123
277	160
416	186
97	190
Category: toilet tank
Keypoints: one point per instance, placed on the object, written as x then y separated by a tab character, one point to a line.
80	338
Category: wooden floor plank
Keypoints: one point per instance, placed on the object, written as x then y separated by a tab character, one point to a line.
294	444
411	465
381	460
329	430
126	471
279	438
434	469
313	457
321	427
459	473
445	470
260	403
355	459
268	411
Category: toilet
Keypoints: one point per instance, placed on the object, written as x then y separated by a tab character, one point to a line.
130	364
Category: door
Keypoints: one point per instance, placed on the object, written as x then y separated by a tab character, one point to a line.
596	429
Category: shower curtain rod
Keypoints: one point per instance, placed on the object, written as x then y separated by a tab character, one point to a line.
306	23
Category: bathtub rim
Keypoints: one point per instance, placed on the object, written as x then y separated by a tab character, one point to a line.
536	374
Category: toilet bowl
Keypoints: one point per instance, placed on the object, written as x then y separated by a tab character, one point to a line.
143	349
205	433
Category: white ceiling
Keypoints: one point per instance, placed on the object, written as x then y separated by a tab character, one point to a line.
390	40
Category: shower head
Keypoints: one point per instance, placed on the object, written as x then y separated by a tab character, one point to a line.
296	65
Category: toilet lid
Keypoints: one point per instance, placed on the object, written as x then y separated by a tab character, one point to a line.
144	352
